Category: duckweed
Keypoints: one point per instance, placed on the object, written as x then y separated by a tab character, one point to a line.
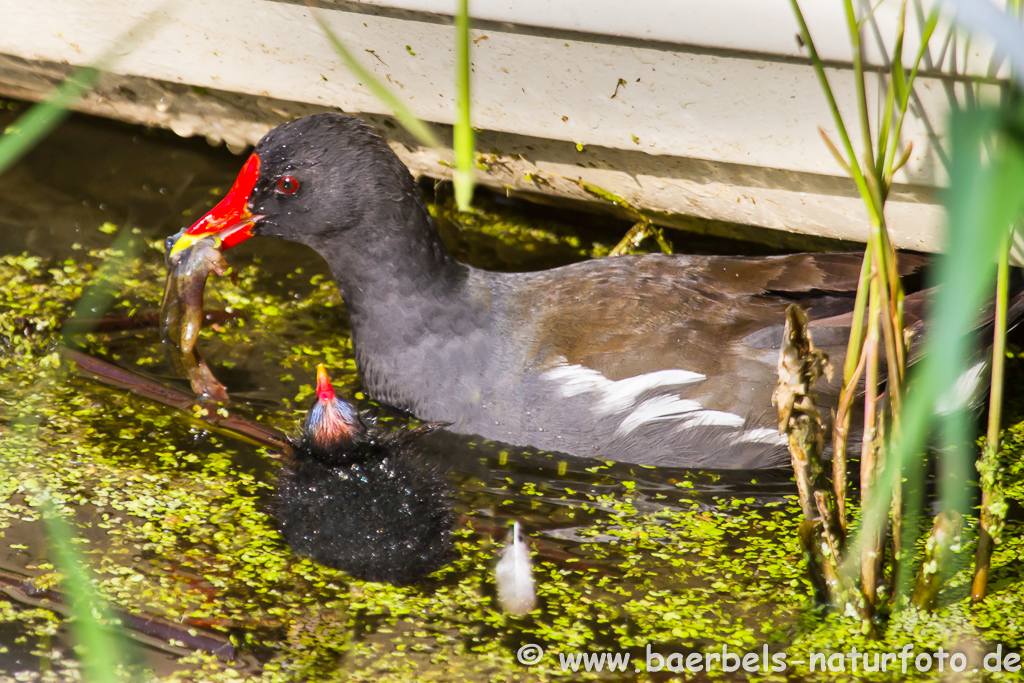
175	520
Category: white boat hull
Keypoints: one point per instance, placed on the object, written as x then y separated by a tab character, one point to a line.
684	109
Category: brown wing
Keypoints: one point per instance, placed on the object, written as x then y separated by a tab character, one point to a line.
630	315
718	316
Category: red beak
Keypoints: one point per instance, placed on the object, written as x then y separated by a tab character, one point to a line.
324	390
229	221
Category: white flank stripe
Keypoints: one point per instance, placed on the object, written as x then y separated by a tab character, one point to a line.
657	408
625	392
761	435
962	391
707	418
576	379
618	395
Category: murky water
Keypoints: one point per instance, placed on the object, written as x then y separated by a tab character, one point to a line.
175	518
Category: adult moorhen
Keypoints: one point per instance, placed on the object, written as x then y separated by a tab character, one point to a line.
363	500
662	360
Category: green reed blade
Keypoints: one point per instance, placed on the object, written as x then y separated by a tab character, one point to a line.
463	137
417	128
38	121
99	648
43	117
982	201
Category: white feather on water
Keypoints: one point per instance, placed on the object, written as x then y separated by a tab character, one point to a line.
514	575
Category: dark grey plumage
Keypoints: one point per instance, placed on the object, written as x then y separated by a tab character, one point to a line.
386	518
665	360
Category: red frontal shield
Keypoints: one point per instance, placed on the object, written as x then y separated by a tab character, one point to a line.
229	221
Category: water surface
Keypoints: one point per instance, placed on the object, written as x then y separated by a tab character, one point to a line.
173	516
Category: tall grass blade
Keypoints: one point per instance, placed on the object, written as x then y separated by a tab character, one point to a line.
97	299
417	128
984	16
819	70
858	70
464	143
92	624
984	199
101	653
100	648
904	86
42	118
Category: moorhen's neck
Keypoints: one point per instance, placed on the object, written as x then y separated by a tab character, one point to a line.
413	310
393	254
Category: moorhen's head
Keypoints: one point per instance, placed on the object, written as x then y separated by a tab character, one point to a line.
332	432
371	505
312	180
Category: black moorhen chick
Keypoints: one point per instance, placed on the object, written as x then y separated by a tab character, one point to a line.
364	500
663	360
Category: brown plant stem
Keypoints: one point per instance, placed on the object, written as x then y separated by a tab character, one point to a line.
150	629
896	520
840	435
982	559
637	234
138	321
822	572
107	373
890	293
800	366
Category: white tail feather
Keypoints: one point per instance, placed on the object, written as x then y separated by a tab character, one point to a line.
514	575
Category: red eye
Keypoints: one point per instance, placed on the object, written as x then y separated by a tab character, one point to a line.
287	185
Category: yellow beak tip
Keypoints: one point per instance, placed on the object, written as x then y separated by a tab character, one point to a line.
184	242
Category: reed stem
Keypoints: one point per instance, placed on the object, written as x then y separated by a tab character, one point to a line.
464	142
991	520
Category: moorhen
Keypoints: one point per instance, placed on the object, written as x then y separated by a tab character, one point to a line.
361	499
654	359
